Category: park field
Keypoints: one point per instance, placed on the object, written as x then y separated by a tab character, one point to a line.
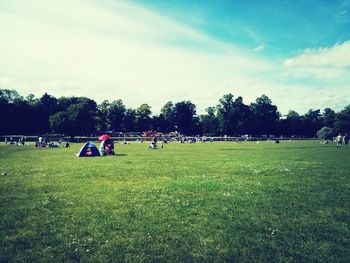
204	202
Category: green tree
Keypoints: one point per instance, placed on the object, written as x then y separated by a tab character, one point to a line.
48	105
78	119
242	117
31	99
143	117
292	125
210	123
265	116
342	120
165	121
10	95
225	111
312	122
61	123
116	115
102	123
326	133
184	117
17	115
328	117
130	120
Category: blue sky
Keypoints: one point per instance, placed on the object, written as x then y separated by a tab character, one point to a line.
295	52
284	28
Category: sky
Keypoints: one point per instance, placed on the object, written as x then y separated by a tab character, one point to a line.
295	52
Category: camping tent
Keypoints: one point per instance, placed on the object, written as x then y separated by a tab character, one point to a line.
88	150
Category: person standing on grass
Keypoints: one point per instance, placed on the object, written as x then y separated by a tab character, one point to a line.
346	139
339	140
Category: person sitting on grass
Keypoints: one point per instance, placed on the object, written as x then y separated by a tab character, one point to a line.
153	144
109	147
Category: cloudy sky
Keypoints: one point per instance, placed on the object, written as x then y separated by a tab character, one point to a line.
295	52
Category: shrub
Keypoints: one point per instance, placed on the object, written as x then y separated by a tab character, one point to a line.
326	133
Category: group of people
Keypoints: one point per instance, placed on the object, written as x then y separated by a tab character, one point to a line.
342	139
21	141
42	142
195	139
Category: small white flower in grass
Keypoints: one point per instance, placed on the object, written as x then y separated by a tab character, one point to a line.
87	251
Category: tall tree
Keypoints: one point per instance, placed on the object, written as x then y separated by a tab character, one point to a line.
312	122
342	120
31	99
183	115
242	117
167	110
328	117
7	118
15	113
292	124
48	105
225	111
116	115
143	117
210	123
102	123
78	119
10	95
159	123
166	117
265	115
130	120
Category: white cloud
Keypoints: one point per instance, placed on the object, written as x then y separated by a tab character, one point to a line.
114	49
325	66
259	48
336	56
126	51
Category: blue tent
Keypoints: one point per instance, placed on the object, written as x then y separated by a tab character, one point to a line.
89	149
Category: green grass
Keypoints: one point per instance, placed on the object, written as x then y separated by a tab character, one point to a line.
210	202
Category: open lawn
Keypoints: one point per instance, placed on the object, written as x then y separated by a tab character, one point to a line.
210	202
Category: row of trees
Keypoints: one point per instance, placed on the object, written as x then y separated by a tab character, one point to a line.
83	116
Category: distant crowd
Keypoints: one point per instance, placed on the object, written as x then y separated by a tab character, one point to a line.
41	142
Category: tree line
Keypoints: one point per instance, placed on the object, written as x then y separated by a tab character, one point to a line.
231	116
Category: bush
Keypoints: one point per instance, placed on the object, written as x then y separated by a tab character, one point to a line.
326	133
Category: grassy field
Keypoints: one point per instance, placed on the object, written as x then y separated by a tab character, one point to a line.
210	202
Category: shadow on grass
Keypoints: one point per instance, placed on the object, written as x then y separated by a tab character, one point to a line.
238	149
120	154
293	148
